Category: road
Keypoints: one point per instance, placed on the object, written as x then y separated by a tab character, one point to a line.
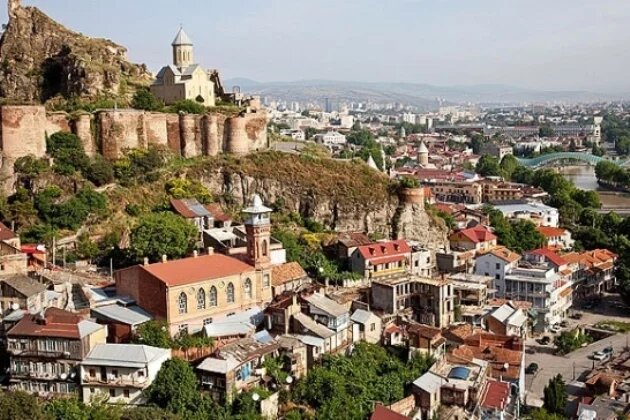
577	363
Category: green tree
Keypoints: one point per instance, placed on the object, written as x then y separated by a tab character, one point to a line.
542	414
509	164
100	171
476	141
154	333
19	405
67	150
163	234
186	188
144	99
488	166
555	395
546	131
175	387
187	106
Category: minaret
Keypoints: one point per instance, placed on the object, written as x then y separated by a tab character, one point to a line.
258	230
182	50
423	155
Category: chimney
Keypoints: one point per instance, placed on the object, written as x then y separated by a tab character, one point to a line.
195	253
210	250
145	261
164	258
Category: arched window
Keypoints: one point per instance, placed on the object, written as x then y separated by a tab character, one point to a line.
248	289
265	248
230	293
212	297
201	299
183	303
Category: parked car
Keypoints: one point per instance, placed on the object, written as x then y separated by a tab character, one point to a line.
577	315
531	369
564	324
608	350
555	328
544	340
600	355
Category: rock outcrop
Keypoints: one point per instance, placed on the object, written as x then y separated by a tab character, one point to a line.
41	59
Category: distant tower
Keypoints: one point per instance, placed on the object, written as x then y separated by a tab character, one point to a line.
182	50
258	230
423	155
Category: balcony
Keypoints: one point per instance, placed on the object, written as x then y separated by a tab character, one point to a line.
122	381
40	354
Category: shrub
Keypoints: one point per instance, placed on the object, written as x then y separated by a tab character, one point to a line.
144	99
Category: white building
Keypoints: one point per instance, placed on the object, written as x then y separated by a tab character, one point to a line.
497	264
121	371
331	138
540	214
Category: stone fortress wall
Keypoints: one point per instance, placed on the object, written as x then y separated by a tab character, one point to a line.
23	131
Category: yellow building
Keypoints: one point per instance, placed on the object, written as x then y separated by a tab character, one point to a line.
192	292
183	79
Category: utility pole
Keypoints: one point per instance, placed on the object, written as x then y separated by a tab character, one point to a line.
574	371
54	254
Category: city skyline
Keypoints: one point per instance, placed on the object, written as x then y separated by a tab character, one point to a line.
532	45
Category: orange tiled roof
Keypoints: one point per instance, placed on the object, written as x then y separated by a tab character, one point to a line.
476	234
505	254
496	357
287	272
550	232
58	323
194	269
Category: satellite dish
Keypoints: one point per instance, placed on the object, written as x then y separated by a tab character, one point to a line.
506	366
63	376
72	375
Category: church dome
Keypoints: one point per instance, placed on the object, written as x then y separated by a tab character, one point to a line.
181	38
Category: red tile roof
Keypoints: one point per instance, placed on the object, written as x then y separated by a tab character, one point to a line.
58	323
496	395
217	212
195	269
550	256
6	233
191	208
384	413
287	272
384	249
476	234
550	232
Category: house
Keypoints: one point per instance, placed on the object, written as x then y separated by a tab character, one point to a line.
236	367
120	371
454	261
189	293
595	271
426	339
191	209
477	238
449	382
556	238
383	413
538	213
472	289
12	259
288	277
366	326
602	408
504	357
9	237
432	301
348	242
496	264
330	314
381	259
46	349
422	262
495	401
508	319
21	292
122	320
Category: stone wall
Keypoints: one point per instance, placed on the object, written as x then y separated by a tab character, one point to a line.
23	130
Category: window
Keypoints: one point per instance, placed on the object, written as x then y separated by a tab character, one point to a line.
372	326
141	373
92	373
265	248
212	297
266	281
92	390
230	293
201	299
248	289
498	266
183	303
112	393
126	393
115	373
497	276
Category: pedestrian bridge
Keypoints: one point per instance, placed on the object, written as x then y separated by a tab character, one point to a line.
550	158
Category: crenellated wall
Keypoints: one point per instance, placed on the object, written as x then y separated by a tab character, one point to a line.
23	131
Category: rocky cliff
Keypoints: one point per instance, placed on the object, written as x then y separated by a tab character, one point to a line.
344	196
41	59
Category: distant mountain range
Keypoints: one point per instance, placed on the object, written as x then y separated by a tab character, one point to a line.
423	96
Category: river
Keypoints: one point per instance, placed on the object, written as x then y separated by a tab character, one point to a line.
583	177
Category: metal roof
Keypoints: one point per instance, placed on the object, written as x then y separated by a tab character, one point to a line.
224	329
429	382
310	325
181	38
131	315
125	355
327	305
219	365
361	316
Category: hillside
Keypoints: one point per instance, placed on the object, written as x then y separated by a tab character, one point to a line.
41	59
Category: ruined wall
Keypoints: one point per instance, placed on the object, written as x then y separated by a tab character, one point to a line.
23	131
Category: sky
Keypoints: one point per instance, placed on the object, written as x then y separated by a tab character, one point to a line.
547	45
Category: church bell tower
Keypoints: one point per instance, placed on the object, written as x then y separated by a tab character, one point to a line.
258	230
182	50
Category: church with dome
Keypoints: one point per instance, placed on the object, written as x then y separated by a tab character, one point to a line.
184	79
